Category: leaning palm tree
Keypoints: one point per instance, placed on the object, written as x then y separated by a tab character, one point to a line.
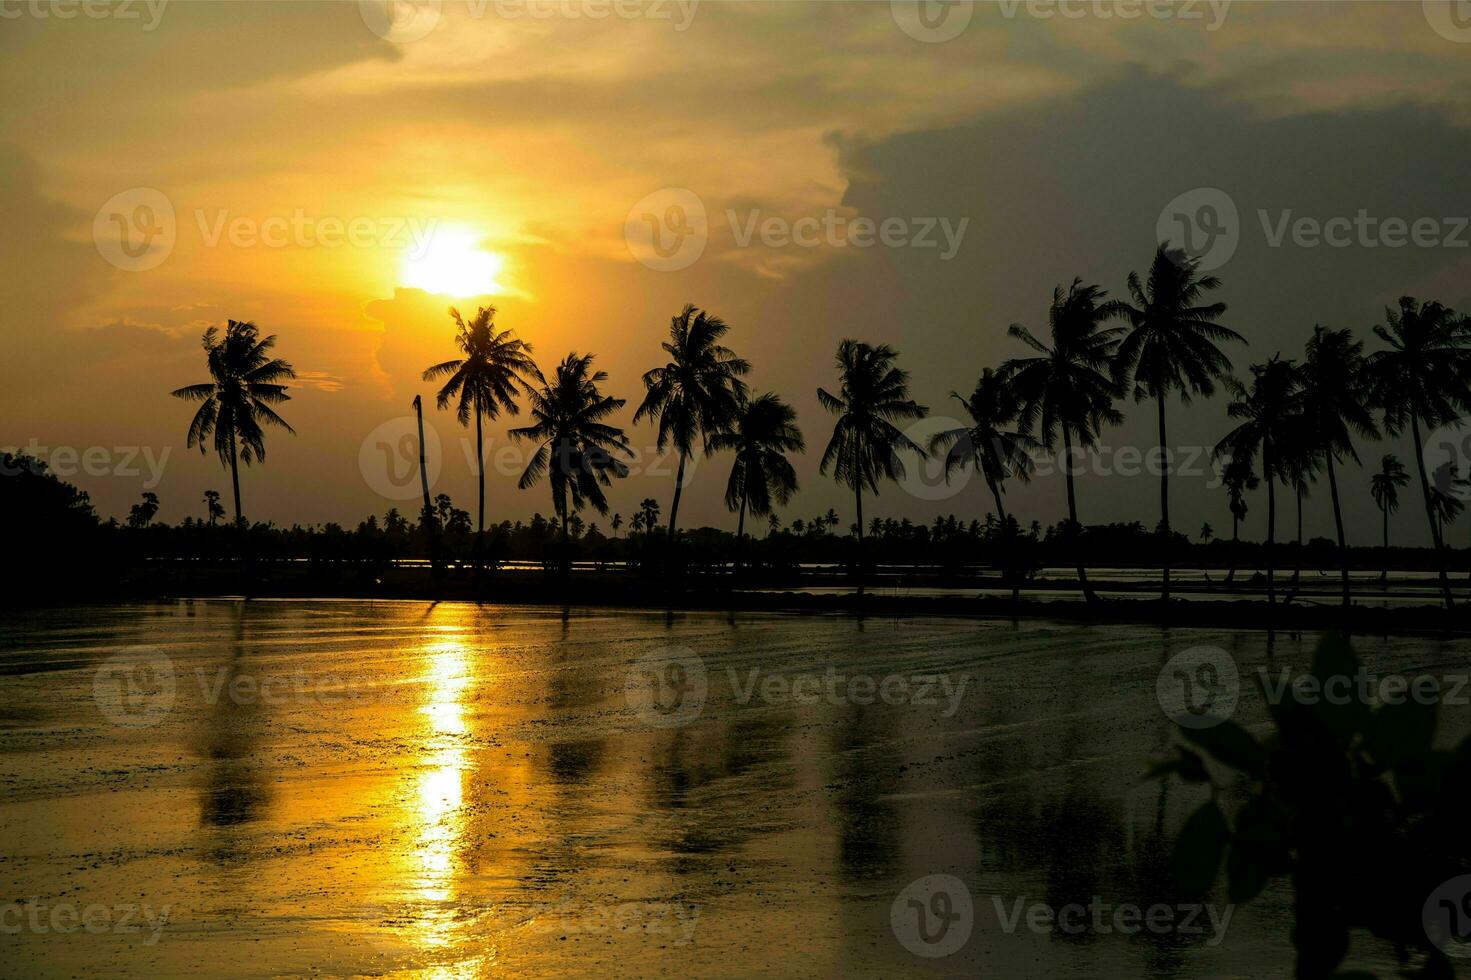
1384	486
761	436
578	451
1238	478
484	381
1069	386
1171	346
993	444
864	448
1266	409
1424	378
1336	400
697	394
245	382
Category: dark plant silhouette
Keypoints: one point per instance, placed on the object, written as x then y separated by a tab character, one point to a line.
696	395
1300	460
873	394
578	451
482	382
1384	487
212	506
994	445
1171	347
142	514
1069	385
763	432
1335	405
1351	801
244	386
1424	378
1239	478
1266	410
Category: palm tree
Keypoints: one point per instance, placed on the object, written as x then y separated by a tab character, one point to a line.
649	507
763	432
1424	378
1299	459
1336	399
1206	533
484	381
1171	346
1069	385
615	524
1238	478
1384	486
697	394
1266	409
578	450
245	382
873	394
993	444
212	506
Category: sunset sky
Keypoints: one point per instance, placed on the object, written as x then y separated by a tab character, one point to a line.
497	159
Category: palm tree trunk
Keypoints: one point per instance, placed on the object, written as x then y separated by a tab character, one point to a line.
1297	559
858	497
1271	526
1235	540
1164	497
1445	585
741	531
1338	522
1384	573
428	521
235	478
1074	528
678	489
1006	569
480	471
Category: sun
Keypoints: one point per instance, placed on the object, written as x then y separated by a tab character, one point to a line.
452	263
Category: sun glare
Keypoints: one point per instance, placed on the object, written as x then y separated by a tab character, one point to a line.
452	263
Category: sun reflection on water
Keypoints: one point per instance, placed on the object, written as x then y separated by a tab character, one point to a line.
439	793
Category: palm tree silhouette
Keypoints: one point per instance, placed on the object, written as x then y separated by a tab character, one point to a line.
615	524
1069	386
212	506
873	394
245	382
762	433
1384	487
1266	410
578	450
649	507
1336	400
1422	379
994	444
1299	458
1171	346
1238	478
697	394
484	381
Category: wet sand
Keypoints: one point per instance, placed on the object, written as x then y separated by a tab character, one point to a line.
451	790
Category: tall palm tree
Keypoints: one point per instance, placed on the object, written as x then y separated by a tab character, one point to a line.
762	434
872	395
1424	378
1266	409
994	444
1238	478
1384	486
245	382
1069	386
1336	407
485	380
1299	465
697	394
1171	346
578	451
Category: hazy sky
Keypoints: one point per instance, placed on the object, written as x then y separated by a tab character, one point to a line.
341	180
